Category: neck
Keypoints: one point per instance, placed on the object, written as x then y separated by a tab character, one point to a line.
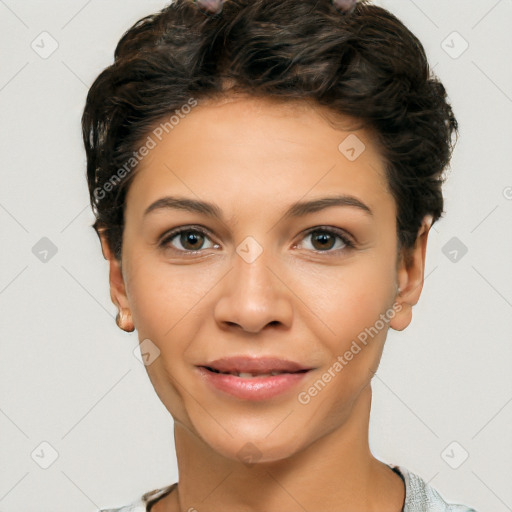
336	472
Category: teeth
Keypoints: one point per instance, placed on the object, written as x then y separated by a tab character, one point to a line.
248	375
245	375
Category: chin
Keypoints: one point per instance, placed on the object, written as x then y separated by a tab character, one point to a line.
254	446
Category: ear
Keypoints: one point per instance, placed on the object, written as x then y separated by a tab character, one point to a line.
410	273
117	285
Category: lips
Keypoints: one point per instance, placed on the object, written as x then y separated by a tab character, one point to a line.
254	367
249	375
252	379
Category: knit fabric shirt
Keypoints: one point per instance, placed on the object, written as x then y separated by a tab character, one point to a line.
419	497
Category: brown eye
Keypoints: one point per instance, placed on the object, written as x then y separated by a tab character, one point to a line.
191	240
323	239
328	240
186	240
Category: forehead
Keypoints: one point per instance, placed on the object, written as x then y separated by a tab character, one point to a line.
246	149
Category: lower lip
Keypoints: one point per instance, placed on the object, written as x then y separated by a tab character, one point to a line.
255	388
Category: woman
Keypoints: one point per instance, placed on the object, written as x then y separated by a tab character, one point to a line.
264	176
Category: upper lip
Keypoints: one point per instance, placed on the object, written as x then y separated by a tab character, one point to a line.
244	364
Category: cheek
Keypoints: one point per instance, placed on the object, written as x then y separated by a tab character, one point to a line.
336	301
163	297
348	298
166	305
354	304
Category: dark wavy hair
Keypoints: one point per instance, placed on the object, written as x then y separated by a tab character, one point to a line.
366	65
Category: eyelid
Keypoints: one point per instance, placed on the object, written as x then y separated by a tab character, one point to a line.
344	236
164	240
179	229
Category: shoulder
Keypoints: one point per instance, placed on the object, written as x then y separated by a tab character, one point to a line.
421	497
140	505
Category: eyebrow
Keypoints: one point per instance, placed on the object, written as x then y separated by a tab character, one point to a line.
298	209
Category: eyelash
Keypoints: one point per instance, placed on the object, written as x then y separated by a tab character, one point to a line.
347	241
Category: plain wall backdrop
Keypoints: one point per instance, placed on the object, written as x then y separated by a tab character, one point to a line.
80	424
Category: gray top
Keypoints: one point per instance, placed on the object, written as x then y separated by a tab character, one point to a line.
419	497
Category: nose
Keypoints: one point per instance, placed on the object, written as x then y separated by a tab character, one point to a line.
254	296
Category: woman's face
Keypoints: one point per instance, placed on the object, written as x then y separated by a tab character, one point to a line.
258	283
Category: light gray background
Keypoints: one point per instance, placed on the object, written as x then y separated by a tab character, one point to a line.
68	376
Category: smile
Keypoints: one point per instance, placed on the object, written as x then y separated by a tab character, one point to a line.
252	379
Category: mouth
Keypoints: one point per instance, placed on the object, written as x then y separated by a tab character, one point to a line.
251	375
255	366
252	379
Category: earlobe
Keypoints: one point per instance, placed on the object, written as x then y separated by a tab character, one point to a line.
410	275
124	320
117	286
403	317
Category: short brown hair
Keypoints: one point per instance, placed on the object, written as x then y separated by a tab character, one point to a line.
366	65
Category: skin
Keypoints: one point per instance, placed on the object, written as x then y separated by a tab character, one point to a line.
254	158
